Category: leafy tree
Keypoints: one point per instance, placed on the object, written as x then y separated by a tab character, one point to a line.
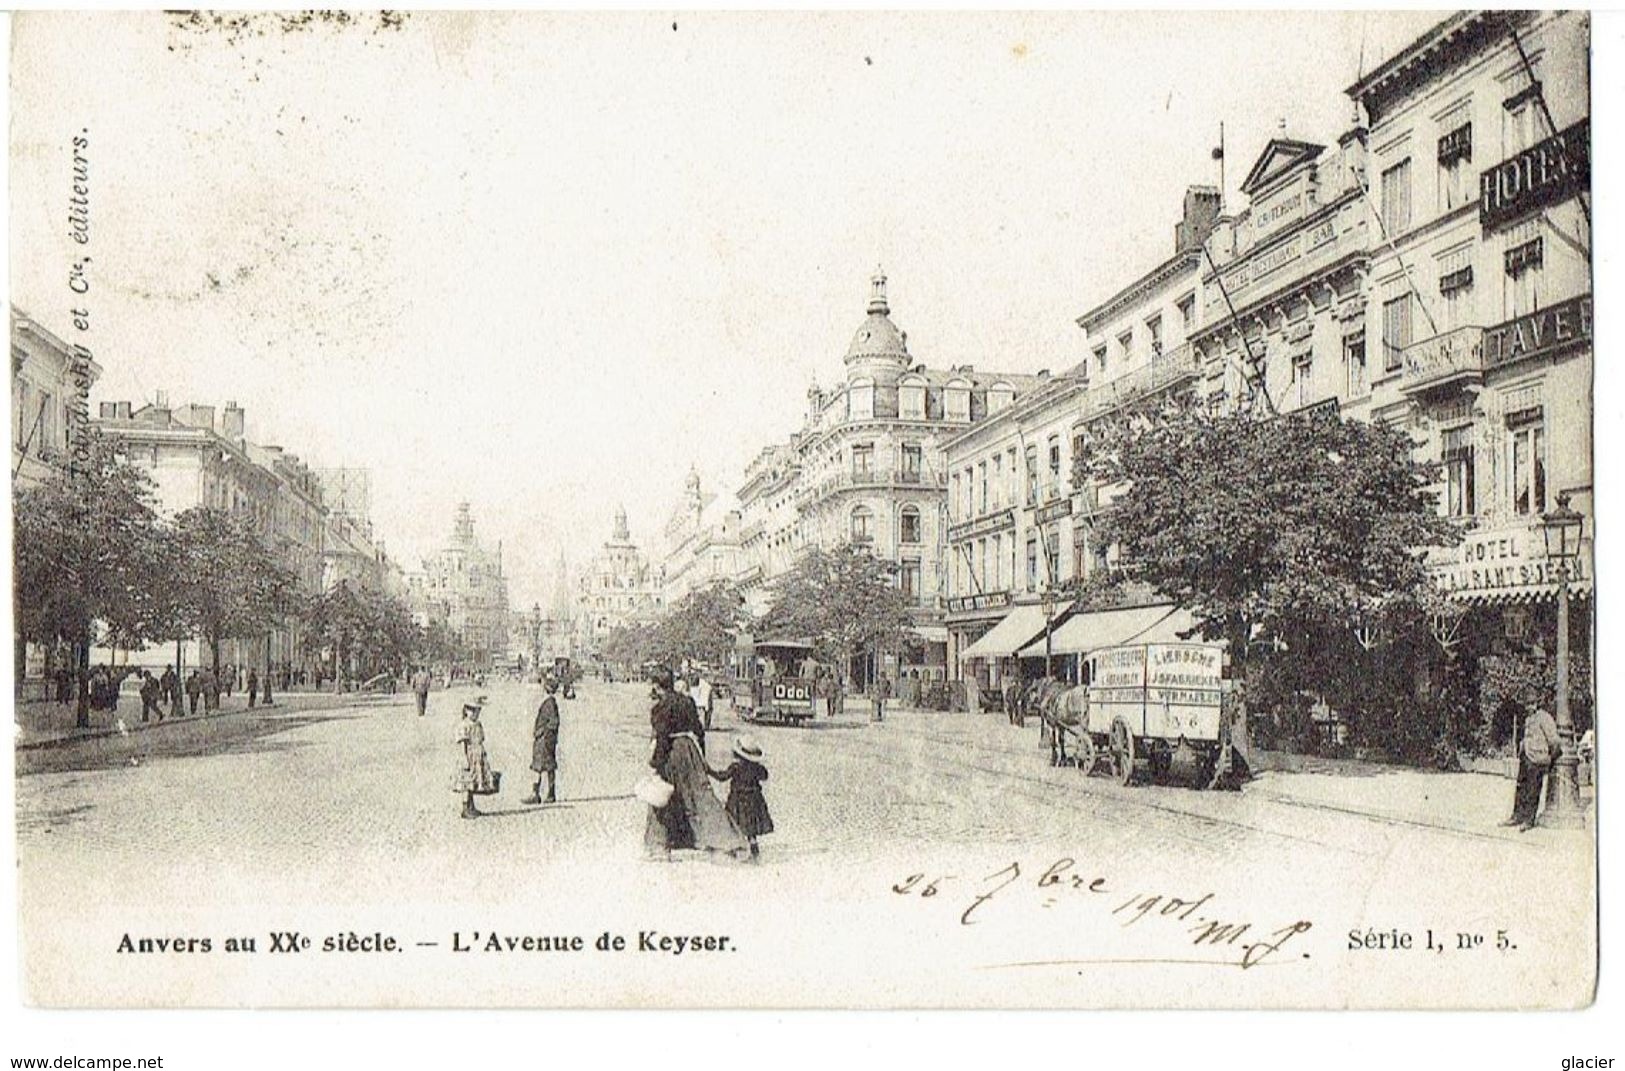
1271	531
702	626
629	645
87	549
231	586
844	601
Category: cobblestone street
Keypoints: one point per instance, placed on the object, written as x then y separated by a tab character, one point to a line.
325	821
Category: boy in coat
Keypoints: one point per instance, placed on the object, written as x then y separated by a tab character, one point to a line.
544	746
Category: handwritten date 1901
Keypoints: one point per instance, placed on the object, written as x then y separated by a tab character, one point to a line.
1192	915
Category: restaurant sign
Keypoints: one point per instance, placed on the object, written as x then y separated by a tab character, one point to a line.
1539	333
1504	561
1543	174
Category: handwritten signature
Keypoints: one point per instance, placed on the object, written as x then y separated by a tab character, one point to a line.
1194	919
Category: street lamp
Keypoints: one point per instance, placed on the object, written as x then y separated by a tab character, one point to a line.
1048	598
1562	528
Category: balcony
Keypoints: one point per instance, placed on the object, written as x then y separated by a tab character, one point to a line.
1169	370
872	480
1443	360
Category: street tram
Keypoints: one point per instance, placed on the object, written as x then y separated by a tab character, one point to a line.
774	683
1152	707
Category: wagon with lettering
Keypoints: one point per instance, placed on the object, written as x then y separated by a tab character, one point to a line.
1151	707
778	689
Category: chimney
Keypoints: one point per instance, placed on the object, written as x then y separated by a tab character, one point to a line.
1201	214
161	399
121	410
109	411
196	416
231	421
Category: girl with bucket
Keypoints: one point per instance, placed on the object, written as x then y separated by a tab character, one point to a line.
690	816
746	805
474	776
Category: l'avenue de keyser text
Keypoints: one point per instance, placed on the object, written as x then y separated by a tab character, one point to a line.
483	942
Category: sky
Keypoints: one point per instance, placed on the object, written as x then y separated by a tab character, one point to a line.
545	263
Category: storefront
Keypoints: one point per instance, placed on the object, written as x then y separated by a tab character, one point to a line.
1085	632
991	662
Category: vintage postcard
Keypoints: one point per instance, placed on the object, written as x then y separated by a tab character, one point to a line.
861	510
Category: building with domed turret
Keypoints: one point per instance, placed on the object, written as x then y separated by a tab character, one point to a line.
619	587
865	467
701	541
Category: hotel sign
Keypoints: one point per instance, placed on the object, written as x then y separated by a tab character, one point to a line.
1504	560
1539	333
1543	174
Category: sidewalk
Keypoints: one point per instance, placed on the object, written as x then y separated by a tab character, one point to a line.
42	724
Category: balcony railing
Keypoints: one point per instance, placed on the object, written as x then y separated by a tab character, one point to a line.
873	479
1170	369
1442	359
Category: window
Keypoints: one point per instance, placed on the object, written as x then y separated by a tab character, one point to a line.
1354	355
1125	346
981	485
22	392
1396	332
1032	475
1456	186
1520	128
1524	261
1455	287
909	525
1303	365
1054	467
1153	329
909	578
1080	552
1187	314
911	399
863	459
1458	472
1529	468
981	565
998	481
998	564
1014	486
1052	556
912	460
1032	564
1396	198
956	401
1100	362
862	525
999	395
957	502
860	400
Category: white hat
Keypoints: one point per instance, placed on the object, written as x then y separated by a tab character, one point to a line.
746	748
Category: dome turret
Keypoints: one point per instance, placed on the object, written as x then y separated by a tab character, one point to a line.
878	350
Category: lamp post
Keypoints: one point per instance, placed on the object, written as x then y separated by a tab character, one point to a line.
1562	528
1049	627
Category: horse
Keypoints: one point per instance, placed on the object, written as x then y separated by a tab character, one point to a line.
1061	707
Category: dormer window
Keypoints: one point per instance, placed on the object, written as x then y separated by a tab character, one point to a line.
860	400
999	395
911	398
956	401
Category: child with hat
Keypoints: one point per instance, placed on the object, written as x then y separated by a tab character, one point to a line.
474	776
746	805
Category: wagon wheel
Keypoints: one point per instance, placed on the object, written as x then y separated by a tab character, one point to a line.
1087	753
1122	752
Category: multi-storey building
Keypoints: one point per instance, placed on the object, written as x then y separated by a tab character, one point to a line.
702	541
865	467
1020	528
618	588
1481	296
463	585
49	380
196	458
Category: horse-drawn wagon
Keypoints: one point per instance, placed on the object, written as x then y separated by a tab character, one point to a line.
1151	707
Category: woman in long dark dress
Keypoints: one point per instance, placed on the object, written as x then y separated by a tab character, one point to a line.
692	817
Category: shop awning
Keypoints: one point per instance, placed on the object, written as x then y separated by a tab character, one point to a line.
1010	635
1086	632
1520	595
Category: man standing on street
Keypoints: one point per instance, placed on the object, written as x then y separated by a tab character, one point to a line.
702	698
420	688
265	687
169	690
1536	754
194	687
544	745
253	687
882	689
149	697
